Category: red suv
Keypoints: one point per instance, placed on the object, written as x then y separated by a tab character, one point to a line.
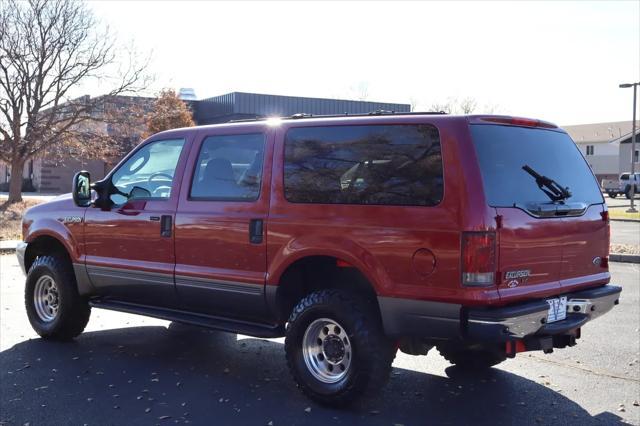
353	236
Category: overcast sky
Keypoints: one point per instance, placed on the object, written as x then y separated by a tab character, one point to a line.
556	61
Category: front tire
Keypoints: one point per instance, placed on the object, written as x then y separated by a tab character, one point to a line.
472	357
335	348
612	195
54	307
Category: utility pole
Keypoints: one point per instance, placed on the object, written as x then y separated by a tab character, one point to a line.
632	208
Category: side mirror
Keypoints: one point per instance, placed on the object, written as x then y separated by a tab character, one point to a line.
81	189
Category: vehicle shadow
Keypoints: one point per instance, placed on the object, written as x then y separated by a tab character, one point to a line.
183	374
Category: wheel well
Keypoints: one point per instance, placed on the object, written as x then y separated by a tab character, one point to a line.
44	245
314	273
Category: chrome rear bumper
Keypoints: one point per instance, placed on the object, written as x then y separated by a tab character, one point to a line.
520	321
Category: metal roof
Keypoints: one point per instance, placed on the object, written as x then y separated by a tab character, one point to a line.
260	105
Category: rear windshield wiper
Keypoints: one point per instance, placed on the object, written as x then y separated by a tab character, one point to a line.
549	186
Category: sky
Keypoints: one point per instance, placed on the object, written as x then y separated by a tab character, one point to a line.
556	61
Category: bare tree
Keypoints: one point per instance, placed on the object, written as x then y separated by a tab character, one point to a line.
48	48
466	105
361	90
413	101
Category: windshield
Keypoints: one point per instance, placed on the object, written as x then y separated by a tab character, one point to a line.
503	151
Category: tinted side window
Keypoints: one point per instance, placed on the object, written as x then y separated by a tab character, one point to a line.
229	168
384	164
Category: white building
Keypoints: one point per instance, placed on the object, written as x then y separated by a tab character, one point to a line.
606	146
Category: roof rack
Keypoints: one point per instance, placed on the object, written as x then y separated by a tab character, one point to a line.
302	115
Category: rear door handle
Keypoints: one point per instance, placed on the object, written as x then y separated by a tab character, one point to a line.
165	225
255	231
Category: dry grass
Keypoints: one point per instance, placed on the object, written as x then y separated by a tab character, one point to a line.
11	218
622	214
625	249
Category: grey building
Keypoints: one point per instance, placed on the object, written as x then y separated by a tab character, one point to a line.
240	105
45	175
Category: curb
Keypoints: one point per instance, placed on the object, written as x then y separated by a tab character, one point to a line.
624	258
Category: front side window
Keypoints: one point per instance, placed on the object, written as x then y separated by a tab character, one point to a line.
378	165
148	173
229	168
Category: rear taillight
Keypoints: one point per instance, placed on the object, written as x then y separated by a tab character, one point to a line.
478	258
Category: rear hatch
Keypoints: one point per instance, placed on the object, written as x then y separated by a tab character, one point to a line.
553	236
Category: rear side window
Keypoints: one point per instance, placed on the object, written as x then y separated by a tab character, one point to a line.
229	168
384	164
503	151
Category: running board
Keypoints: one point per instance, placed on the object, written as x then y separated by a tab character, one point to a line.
202	320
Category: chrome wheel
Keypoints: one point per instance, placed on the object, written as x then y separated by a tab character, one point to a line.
326	350
45	298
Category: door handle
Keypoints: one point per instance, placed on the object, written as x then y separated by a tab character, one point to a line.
165	225
255	231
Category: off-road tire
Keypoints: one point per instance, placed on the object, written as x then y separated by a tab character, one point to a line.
73	310
472	358
372	351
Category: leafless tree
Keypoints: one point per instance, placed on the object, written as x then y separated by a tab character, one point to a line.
47	49
466	105
361	91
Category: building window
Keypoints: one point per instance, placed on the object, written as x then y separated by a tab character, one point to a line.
636	156
589	149
385	164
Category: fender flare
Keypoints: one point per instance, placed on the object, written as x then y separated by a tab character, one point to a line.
341	248
48	227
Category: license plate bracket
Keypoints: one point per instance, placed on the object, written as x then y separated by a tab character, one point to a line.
557	309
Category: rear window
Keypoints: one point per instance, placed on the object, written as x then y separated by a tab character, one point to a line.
503	151
384	164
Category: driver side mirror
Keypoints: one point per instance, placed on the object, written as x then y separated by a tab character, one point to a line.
81	189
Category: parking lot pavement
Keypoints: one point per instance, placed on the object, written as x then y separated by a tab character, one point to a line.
620	202
625	232
127	369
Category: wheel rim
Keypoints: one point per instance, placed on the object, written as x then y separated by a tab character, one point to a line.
327	350
46	299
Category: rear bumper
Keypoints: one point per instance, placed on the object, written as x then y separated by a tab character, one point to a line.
529	319
444	321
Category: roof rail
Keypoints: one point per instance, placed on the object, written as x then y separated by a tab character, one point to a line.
302	115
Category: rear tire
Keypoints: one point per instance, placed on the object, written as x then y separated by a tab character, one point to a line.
612	194
335	348
54	307
472	357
